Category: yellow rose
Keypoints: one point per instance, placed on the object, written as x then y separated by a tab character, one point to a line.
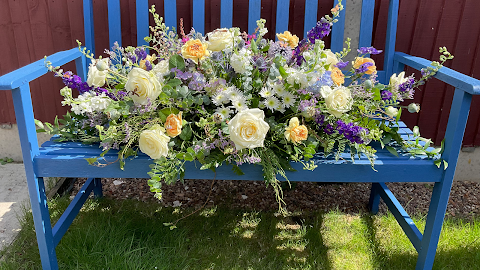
220	39
287	37
361	60
142	86
149	58
337	76
248	129
338	101
154	142
194	49
296	132
173	125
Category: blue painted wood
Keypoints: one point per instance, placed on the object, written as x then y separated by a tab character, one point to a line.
88	27
374	200
170	7
36	189
401	215
97	188
254	8
390	40
311	7
226	13
81	66
450	76
72	210
114	23
142	22
28	73
283	7
338	30
441	191
366	23
199	15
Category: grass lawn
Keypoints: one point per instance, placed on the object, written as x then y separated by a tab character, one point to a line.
128	234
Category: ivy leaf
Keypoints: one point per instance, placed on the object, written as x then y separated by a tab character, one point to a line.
438	163
176	61
91	161
392	150
445	164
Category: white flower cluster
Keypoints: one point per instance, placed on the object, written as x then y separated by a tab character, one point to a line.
89	102
302	78
273	92
241	61
233	95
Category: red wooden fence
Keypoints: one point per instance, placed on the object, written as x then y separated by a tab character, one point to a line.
32	29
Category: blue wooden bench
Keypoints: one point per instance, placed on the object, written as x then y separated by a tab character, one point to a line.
67	159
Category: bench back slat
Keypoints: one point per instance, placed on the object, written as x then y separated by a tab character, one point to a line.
311	7
226	13
338	30
281	24
142	21
254	7
88	25
114	22
199	15
390	40
366	23
170	16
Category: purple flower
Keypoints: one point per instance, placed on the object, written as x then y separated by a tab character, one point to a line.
319	31
148	65
325	79
363	68
198	82
304	104
341	64
386	95
297	53
182	75
351	132
281	48
368	50
319	118
329	129
141	53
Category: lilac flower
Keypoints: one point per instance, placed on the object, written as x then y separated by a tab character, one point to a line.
141	53
329	129
351	132
148	65
304	104
363	68
132	57
281	48
319	118
198	82
319	31
369	50
341	64
386	95
297	53
182	75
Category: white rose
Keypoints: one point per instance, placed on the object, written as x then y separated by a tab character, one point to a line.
391	111
397	80
95	77
154	142
220	39
248	129
161	68
339	101
325	91
142	86
331	59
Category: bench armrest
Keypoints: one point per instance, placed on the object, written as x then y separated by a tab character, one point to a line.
30	72
447	75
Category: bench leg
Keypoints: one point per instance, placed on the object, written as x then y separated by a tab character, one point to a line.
41	219
97	189
374	201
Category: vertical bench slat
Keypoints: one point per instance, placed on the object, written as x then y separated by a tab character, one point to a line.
88	26
199	15
311	7
282	15
338	30
170	7
366	23
390	40
142	21
254	7
114	22
226	13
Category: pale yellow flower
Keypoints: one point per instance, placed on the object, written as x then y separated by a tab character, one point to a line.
196	50
287	37
296	132
337	76
173	125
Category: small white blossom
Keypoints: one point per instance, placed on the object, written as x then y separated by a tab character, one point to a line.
225	111
272	103
240	104
288	100
267	92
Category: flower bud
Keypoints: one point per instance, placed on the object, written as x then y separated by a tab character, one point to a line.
413	107
391	111
368	84
102	64
218	117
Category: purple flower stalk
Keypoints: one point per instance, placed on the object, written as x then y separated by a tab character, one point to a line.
368	50
363	68
386	95
319	31
341	64
351	132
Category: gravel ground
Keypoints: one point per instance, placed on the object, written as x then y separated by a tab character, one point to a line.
347	197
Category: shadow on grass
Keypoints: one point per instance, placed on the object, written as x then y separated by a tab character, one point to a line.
131	235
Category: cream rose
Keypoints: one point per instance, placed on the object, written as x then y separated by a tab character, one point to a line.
154	142
161	68
391	111
339	101
331	59
96	77
248	129
142	86
220	39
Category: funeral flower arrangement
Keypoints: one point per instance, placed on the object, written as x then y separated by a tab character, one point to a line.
233	98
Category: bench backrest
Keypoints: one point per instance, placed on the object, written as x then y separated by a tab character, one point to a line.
254	8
